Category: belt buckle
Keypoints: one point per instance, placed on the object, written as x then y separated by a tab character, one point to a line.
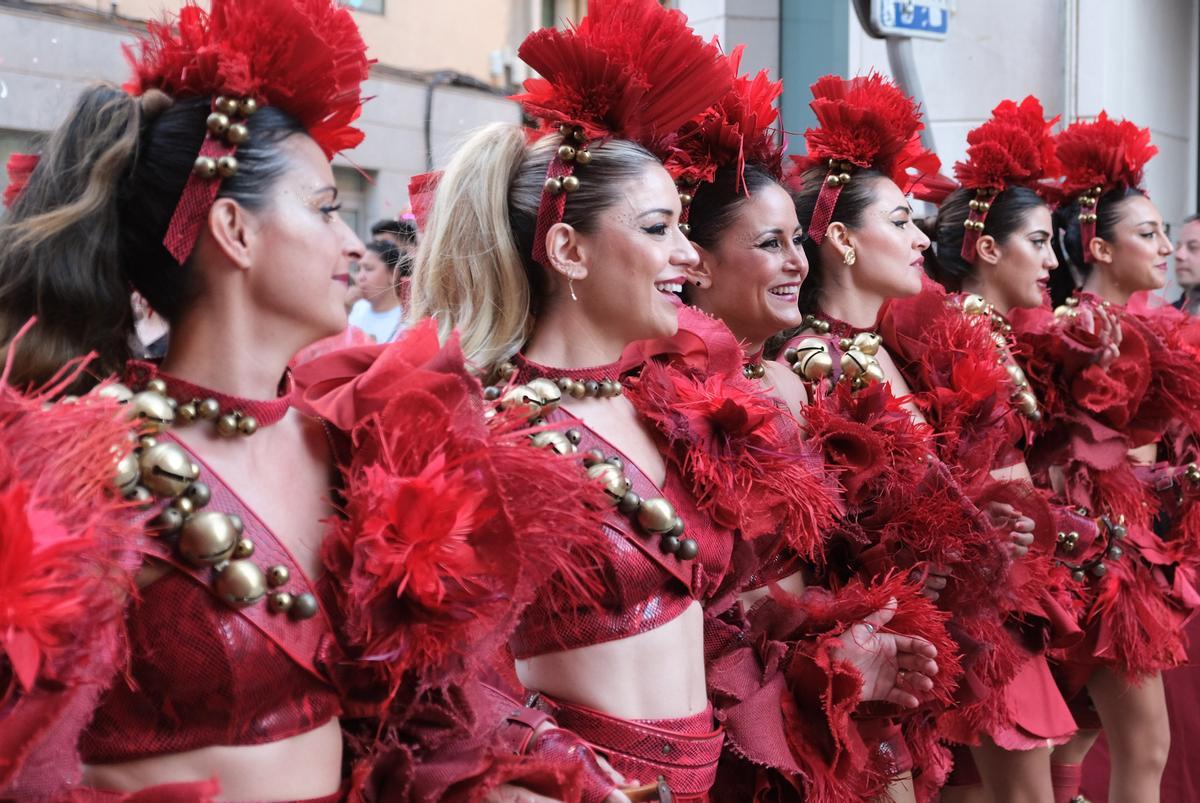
660	790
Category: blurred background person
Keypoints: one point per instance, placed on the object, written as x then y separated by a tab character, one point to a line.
151	330
378	313
400	233
1187	265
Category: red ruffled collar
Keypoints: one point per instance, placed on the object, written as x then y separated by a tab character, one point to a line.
265	411
527	369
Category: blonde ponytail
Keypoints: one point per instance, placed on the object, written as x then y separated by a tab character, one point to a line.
469	274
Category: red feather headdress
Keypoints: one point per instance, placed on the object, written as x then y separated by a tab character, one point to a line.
304	56
865	122
1013	148
629	70
1097	157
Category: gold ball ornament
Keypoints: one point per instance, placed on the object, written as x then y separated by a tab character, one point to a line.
207	538
241	584
166	469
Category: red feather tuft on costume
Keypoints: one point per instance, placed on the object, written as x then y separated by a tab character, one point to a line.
1103	153
450	521
19	168
870	122
630	69
739	128
305	57
1014	147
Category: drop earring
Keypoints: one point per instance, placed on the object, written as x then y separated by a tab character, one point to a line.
571	287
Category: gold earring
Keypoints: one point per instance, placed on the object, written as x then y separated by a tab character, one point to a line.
849	258
571	287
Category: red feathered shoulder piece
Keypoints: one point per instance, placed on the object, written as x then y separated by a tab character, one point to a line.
630	69
739	128
863	122
304	56
451	519
742	453
1103	153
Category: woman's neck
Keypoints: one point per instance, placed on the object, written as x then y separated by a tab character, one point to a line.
1100	284
980	287
219	346
563	337
384	301
853	305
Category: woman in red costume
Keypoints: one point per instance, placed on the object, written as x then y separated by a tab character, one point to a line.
267	643
1118	384
551	258
910	509
994	254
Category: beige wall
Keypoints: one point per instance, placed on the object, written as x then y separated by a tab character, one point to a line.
412	34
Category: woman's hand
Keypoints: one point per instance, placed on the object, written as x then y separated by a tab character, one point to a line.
1108	328
934	579
1020	527
895	669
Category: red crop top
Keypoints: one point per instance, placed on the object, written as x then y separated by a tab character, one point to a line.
202	673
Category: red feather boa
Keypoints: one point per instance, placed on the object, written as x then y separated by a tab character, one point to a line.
451	522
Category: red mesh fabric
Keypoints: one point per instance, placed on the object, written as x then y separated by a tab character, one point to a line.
684	751
645	589
204	674
192	209
265	411
823	212
550	209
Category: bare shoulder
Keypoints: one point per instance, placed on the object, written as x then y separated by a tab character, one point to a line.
787	387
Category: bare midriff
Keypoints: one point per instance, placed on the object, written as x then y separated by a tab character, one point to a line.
308	765
658	674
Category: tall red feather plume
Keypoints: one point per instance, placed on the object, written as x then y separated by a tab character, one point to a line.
1103	153
630	69
1014	147
869	122
19	168
739	128
304	56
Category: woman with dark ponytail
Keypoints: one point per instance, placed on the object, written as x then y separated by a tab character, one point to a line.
992	252
1108	364
271	646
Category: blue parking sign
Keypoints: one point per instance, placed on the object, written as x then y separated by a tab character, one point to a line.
924	19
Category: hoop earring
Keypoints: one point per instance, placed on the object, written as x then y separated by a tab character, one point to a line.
571	287
849	258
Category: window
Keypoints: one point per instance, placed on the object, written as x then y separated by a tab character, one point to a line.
369	6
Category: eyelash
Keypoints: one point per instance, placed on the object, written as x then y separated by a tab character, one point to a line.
328	211
899	223
1039	243
797	241
657	229
1149	235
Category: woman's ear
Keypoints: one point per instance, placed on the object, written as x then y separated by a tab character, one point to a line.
838	236
1101	250
233	231
987	249
700	275
566	251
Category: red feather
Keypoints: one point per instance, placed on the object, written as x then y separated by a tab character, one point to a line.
1014	147
62	524
1103	153
868	121
630	69
304	56
451	523
739	128
19	167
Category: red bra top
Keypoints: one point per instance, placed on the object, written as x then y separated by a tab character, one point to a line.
201	673
644	588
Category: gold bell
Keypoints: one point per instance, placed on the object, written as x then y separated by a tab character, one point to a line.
874	373
854	363
583	156
209	408
304	606
278	575
166	469
227	166
813	361
127	474
553	186
566	153
570	184
241	584
974	304
247	107
244	548
523	401
547	393
116	391
279	602
217	123
152	409
685	199
226	106
1016	375
237	134
551	439
611	478
227	425
868	343
656	515
1026	402
207	538
247	425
